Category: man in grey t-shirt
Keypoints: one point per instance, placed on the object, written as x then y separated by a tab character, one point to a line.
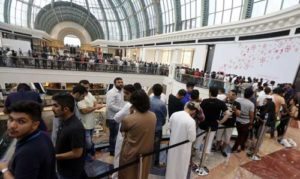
245	121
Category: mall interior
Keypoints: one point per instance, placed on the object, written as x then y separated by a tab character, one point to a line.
237	47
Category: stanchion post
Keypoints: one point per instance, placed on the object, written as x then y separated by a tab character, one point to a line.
141	167
202	170
259	141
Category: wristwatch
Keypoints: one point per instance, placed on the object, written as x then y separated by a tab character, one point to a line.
4	170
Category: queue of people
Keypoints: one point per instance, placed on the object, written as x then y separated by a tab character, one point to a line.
135	122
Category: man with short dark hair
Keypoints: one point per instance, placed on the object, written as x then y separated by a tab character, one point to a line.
70	141
245	121
262	97
175	103
34	155
114	103
212	108
87	108
78	93
189	88
24	93
160	111
224	135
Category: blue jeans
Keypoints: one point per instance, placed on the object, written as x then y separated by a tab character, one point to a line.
113	132
90	149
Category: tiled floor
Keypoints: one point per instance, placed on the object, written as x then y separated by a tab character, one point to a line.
238	165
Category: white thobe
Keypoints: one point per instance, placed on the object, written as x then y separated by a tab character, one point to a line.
183	127
119	141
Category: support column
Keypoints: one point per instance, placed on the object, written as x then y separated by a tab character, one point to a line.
142	54
175	60
158	53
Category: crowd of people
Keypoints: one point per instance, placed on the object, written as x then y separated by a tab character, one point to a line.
135	121
219	79
83	61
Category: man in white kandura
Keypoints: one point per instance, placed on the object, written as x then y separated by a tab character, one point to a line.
183	127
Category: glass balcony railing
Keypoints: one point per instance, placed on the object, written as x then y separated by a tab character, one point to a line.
204	82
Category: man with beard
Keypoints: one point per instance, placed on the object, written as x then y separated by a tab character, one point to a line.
78	93
114	103
87	108
70	140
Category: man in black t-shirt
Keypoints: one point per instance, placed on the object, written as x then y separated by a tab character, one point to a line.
34	156
225	134
70	138
212	109
174	103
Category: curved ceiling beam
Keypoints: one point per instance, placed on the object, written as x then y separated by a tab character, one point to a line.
146	17
159	20
177	11
104	17
65	27
247	9
6	12
51	22
134	14
128	23
61	11
29	11
126	18
89	12
118	19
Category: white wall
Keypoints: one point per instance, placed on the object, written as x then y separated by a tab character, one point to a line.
149	55
16	44
271	59
199	59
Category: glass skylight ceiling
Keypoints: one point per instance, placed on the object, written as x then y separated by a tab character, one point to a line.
130	19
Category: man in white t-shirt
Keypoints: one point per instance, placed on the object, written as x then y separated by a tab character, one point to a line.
262	97
87	109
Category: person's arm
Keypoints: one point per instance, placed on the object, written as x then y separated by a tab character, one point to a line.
293	112
192	131
124	125
225	111
111	102
237	110
164	109
284	107
91	109
74	153
122	113
7	174
26	165
77	144
251	115
225	117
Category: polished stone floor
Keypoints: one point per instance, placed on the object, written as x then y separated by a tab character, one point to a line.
277	161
